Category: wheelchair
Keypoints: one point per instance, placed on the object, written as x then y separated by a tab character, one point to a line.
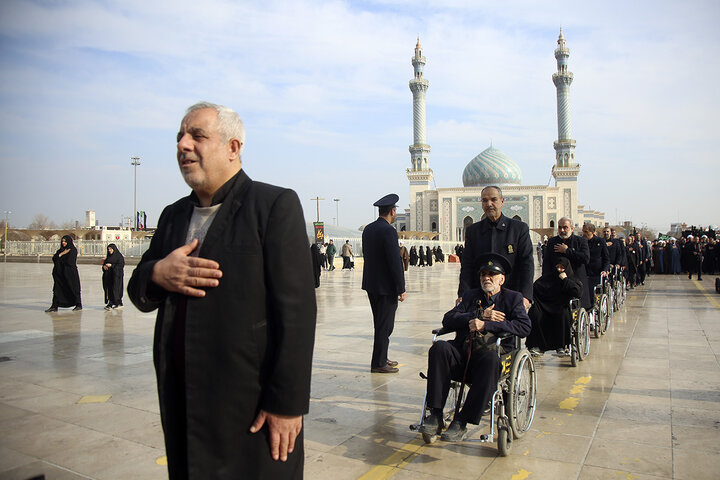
512	407
599	315
619	285
579	333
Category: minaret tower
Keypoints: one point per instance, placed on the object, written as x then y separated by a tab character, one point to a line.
566	169
419	174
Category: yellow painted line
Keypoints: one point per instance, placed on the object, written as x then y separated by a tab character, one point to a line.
162	460
521	475
527	452
710	296
94	399
395	462
583	380
569	403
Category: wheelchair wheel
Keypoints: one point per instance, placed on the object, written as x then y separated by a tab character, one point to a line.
504	441
522	393
604	314
611	303
583	335
595	315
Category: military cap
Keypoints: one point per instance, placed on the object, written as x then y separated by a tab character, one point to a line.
493	262
389	200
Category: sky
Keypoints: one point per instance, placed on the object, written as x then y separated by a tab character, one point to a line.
322	87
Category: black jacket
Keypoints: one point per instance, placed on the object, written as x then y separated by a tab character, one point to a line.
599	257
383	272
508	237
507	301
248	343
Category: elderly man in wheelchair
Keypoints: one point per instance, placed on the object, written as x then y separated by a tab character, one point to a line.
483	317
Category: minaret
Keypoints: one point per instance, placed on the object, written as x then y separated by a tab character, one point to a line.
566	169
419	174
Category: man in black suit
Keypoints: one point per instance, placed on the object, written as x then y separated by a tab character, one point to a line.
236	312
499	234
575	248
383	280
490	309
599	262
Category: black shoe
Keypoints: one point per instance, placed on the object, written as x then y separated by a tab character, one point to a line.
51	310
108	307
119	306
77	307
455	432
384	369
432	425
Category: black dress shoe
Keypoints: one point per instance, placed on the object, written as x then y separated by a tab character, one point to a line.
77	307
384	369
392	363
455	432
51	309
432	425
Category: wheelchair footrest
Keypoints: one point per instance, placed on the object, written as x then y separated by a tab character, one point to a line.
414	427
486	438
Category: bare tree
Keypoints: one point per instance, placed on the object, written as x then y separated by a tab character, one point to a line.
69	225
41	222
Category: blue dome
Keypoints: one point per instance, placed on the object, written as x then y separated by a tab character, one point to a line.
491	167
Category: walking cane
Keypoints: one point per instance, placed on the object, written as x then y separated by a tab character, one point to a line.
467	364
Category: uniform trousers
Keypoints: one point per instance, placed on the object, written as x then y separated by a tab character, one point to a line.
446	362
383	309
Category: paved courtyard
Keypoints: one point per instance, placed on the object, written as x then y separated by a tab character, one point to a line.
78	397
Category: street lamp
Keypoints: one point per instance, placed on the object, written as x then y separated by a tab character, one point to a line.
7	212
135	162
337	211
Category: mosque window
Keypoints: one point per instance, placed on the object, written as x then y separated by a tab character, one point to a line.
433	227
552	223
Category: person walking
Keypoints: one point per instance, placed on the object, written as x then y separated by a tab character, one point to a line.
330	252
112	277
66	280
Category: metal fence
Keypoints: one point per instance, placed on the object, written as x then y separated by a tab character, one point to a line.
92	248
136	247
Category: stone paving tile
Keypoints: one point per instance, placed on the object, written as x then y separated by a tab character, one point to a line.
649	407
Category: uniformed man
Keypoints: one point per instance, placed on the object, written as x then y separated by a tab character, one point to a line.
615	248
383	279
499	234
575	248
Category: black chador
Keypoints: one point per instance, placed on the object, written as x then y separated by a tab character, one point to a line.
113	275
550	313
66	280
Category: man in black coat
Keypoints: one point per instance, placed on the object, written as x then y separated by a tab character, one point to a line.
499	234
490	309
236	312
599	263
575	248
383	280
615	248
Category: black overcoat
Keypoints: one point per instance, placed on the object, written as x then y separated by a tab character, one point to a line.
511	239
578	253
383	272
248	342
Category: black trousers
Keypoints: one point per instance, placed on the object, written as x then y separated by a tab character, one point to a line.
446	362
383	309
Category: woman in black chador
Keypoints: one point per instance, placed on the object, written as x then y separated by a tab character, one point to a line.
413	256
66	290
112	278
428	256
549	313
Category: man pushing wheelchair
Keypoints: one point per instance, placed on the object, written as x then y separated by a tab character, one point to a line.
483	315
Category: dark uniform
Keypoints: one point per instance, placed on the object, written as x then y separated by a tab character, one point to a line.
616	251
599	262
507	237
578	253
383	279
447	360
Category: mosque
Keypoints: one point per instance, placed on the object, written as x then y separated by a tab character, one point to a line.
445	213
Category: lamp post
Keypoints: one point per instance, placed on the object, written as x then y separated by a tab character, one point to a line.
135	162
7	212
337	211
317	201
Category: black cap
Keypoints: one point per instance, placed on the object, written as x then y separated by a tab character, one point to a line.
389	200
493	262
